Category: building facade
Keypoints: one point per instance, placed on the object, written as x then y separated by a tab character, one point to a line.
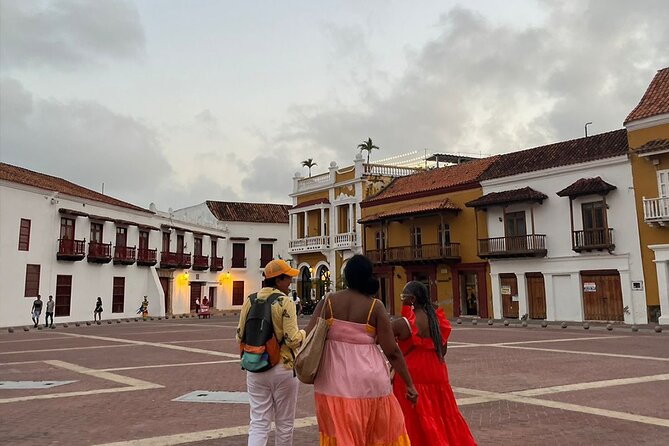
324	227
418	228
562	237
648	136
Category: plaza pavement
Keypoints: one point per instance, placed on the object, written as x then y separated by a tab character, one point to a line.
515	385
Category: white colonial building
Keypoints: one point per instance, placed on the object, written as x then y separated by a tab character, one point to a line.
58	238
563	240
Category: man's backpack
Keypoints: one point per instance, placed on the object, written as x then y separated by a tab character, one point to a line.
260	350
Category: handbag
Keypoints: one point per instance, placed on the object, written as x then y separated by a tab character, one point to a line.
308	358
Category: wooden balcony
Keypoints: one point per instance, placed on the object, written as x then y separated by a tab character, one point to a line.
309	244
430	253
533	245
147	257
656	211
124	255
69	249
593	240
175	260
216	264
200	263
238	262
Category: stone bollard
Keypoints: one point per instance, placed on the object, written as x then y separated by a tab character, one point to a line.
544	324
118	321
506	323
490	322
10	329
586	326
39	327
77	324
563	325
475	321
524	324
53	327
609	327
635	328
65	325
136	319
109	322
658	329
458	321
26	328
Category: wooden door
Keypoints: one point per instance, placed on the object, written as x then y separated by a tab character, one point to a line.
212	297
63	295
536	295
195	294
509	285
602	296
238	292
165	283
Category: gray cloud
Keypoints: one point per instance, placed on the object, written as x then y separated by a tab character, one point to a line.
84	142
64	34
488	88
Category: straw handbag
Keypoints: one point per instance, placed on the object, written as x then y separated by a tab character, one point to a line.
309	355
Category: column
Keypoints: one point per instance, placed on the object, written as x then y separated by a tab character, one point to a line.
523	305
496	296
351	217
306	224
626	288
550	297
336	220
322	221
663	289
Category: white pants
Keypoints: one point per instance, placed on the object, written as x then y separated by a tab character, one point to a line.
272	394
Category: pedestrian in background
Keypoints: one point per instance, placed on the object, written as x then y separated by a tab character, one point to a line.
97	312
50	304
36	310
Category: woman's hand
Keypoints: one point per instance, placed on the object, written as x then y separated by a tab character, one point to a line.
412	395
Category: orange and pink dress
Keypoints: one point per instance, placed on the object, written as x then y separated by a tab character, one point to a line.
436	419
355	404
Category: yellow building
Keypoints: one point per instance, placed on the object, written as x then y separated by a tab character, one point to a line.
418	228
648	135
324	221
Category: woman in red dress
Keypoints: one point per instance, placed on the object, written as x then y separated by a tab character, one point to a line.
422	333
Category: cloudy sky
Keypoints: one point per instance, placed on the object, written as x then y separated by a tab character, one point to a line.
179	101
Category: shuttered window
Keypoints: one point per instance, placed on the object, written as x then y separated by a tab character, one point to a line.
238	292
118	295
24	235
32	281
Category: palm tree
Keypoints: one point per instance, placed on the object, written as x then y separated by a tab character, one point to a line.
368	146
309	163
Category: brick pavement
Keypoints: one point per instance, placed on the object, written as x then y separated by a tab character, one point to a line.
515	385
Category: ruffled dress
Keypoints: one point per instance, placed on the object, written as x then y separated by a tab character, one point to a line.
355	405
436	419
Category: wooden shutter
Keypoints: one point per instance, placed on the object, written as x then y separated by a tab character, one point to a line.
238	292
266	254
24	235
63	295
32	280
118	295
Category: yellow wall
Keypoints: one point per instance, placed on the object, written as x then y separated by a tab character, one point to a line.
463	231
349	174
312	196
311	258
645	185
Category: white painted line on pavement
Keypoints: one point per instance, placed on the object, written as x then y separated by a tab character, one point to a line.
540	341
35	339
576	352
200	340
157	366
592	385
158	344
64	349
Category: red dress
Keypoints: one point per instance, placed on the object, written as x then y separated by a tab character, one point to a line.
436	419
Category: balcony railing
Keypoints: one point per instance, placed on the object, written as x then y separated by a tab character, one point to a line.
416	254
309	244
533	245
216	264
124	255
175	260
593	239
147	257
99	252
389	171
238	262
656	210
69	249
347	240
314	182
200	263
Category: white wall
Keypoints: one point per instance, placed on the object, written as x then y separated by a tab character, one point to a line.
552	219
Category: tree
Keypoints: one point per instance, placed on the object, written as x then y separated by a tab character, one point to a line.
309	163
368	146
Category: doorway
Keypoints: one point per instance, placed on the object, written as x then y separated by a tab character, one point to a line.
165	284
195	294
536	295
509	291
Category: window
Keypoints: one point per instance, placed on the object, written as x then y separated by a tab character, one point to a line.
121	236
444	237
143	240
214	248
32	281
514	224
380	240
67	228
593	215
663	183
238	292
96	232
197	246
416	237
63	295
118	295
166	242
24	235
266	253
180	243
238	255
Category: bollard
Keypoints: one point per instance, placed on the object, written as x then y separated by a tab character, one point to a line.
563	325
586	326
490	322
609	327
506	322
544	324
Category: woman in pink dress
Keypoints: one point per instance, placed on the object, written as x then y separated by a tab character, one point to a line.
423	332
355	405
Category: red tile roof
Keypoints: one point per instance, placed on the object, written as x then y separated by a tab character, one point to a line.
507	196
655	100
656	145
249	212
564	153
586	186
414	209
307	203
433	180
20	175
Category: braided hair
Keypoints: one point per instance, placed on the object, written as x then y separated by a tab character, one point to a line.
419	291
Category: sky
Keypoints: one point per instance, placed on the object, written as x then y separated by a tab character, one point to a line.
180	101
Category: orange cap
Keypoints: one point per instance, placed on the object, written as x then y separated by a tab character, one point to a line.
277	267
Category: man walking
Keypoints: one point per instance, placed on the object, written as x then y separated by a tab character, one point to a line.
36	309
268	358
49	311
